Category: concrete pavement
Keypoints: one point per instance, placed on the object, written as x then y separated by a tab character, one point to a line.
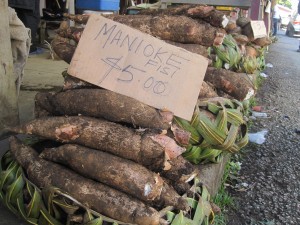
41	74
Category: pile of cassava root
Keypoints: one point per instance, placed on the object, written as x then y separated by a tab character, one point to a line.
120	157
124	173
200	29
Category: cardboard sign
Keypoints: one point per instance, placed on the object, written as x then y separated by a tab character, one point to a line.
129	62
258	28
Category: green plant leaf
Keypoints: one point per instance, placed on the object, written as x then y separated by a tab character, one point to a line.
192	203
43	221
48	195
181	220
210	153
8	176
33	208
30	188
21	208
201	211
98	221
88	216
178	220
8	204
66	207
15	188
193	154
5	161
57	212
170	216
49	218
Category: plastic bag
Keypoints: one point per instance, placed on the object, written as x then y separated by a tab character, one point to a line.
259	114
258	138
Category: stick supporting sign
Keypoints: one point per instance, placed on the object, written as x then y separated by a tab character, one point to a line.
129	62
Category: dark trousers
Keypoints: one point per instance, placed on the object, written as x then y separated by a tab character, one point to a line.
275	25
30	18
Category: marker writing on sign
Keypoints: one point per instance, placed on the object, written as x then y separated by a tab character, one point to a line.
157	59
131	72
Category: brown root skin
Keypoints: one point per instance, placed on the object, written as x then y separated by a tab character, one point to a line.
105	104
194	48
262	42
219	39
201	11
99	134
238	85
251	52
170	197
231	26
181	136
180	187
207	91
178	10
73	33
172	24
242	21
66	53
43	107
71	82
81	19
181	170
207	13
173	28
247	30
94	195
64	25
237	30
122	174
63	49
216	18
22	153
240	39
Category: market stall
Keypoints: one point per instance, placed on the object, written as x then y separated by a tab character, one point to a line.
147	99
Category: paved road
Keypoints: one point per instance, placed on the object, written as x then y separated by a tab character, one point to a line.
271	171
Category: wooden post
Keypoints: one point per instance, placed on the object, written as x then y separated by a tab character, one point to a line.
9	114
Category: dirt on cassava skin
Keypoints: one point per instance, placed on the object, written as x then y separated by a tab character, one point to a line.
173	28
105	104
94	195
151	149
63	48
237	85
207	13
121	174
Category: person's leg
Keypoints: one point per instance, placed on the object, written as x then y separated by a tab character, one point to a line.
275	24
31	20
